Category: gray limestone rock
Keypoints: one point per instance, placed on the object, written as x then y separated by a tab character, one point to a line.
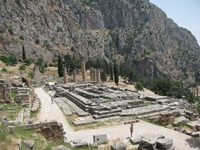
29	144
1	108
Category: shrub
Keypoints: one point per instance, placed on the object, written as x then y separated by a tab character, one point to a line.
9	60
21	37
31	74
4	70
28	61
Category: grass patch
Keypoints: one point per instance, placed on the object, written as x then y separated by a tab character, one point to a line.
13	94
40	142
4	138
34	114
11	110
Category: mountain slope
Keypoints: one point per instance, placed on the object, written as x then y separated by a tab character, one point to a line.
134	32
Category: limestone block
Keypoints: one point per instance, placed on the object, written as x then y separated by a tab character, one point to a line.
164	144
99	139
29	144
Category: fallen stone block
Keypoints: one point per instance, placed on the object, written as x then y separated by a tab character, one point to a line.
147	143
100	139
29	144
164	144
79	143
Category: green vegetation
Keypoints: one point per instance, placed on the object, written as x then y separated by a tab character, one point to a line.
72	62
4	70
139	86
23	53
116	73
22	68
21	37
28	61
11	110
9	60
13	94
40	63
103	76
31	74
60	66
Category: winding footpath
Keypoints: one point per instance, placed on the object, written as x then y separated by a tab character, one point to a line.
51	111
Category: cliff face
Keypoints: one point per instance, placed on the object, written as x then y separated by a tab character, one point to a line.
134	32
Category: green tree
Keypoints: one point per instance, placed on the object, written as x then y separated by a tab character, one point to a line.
116	73
40	63
133	76
139	86
22	68
60	66
28	61
103	76
23	53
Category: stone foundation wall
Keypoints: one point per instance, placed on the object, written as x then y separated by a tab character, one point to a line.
51	130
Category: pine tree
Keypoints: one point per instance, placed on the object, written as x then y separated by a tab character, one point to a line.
116	73
60	66
23	53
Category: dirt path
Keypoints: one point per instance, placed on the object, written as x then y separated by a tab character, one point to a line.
51	111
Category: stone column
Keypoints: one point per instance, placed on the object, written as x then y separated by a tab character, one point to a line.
74	76
94	75
65	75
91	74
98	75
37	75
83	71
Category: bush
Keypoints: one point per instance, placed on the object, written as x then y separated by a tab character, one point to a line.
139	86
31	74
4	70
28	61
21	37
9	60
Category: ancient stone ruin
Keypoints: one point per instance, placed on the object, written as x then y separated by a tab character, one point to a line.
5	91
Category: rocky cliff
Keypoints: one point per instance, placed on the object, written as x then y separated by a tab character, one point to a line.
134	32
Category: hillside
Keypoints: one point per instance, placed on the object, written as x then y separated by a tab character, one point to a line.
133	32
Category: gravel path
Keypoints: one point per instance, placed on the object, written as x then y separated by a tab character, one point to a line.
51	111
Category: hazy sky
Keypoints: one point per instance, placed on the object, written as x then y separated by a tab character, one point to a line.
186	13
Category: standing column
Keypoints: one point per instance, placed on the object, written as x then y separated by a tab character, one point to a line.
94	75
83	70
98	75
37	75
91	74
65	75
74	76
